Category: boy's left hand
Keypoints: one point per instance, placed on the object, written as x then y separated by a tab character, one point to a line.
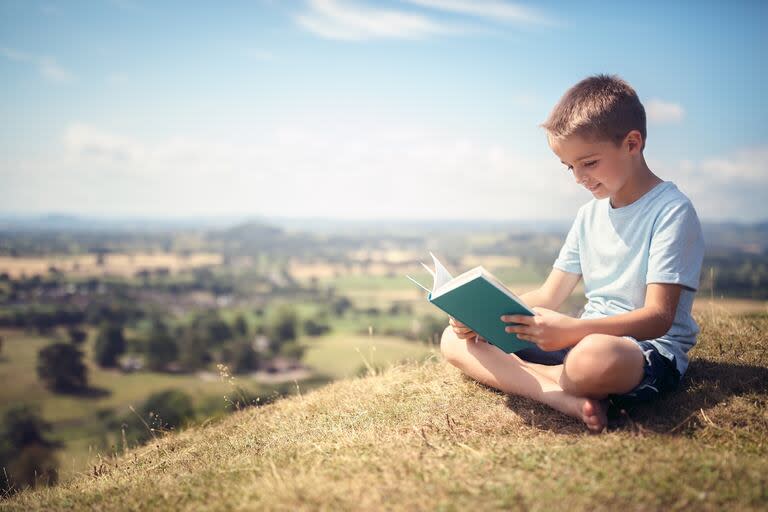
549	329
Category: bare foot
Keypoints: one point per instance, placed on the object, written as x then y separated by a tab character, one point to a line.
594	414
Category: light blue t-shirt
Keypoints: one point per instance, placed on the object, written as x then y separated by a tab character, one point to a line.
656	239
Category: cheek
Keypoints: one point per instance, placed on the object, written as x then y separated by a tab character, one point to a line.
607	173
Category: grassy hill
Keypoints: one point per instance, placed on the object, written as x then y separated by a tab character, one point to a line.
421	436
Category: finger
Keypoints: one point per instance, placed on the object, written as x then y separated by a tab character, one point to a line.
517	319
518	329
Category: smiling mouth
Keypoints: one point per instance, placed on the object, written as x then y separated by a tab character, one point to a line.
593	188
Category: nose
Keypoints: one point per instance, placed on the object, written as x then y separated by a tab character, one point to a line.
579	176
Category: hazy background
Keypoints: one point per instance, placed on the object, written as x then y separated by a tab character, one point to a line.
362	109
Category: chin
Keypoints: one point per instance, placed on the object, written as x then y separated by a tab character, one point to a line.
600	191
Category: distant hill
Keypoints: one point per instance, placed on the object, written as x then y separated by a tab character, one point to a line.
422	437
248	232
90	223
718	234
730	235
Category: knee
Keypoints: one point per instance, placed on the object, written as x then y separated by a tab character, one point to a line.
587	365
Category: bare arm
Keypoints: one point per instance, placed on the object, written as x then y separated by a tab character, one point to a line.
552	331
555	290
652	320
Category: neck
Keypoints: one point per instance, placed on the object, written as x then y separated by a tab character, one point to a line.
641	181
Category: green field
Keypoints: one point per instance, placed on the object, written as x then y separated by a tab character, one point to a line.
345	355
75	417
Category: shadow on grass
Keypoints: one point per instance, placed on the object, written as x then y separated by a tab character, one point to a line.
706	384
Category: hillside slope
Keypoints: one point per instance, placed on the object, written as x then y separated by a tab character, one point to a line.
421	436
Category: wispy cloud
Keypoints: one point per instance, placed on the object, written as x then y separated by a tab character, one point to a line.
313	167
334	19
304	167
356	21
721	185
88	142
746	164
499	11
660	112
46	66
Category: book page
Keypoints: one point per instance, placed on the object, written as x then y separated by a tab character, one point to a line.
441	276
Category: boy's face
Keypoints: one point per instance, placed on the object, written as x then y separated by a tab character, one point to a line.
599	166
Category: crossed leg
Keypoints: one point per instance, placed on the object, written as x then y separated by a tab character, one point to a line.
597	366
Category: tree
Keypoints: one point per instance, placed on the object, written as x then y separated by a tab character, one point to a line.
241	326
341	305
241	357
317	327
169	409
110	344
292	349
210	325
193	349
161	347
77	335
283	328
162	411
431	329
26	454
60	367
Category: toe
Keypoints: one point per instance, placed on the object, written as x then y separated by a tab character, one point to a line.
593	416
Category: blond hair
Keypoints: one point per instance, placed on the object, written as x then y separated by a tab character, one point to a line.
600	107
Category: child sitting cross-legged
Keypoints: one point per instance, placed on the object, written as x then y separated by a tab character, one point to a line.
638	246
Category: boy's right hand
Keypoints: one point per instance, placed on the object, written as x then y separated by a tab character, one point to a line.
462	331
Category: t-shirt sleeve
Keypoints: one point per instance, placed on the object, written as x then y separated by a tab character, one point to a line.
568	260
677	247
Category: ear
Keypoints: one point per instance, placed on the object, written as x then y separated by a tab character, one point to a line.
634	142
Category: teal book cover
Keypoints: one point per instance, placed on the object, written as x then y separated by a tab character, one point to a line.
479	305
477	299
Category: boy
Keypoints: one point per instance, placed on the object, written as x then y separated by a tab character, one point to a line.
638	244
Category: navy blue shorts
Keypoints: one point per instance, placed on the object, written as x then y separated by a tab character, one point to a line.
660	374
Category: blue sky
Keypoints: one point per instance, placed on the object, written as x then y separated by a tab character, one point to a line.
362	109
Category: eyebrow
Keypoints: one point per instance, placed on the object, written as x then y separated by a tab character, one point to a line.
580	158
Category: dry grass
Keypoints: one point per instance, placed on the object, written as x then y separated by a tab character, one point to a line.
421	436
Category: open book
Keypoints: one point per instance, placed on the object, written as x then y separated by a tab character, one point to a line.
478	300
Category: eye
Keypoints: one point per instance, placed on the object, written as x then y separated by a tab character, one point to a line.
591	163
